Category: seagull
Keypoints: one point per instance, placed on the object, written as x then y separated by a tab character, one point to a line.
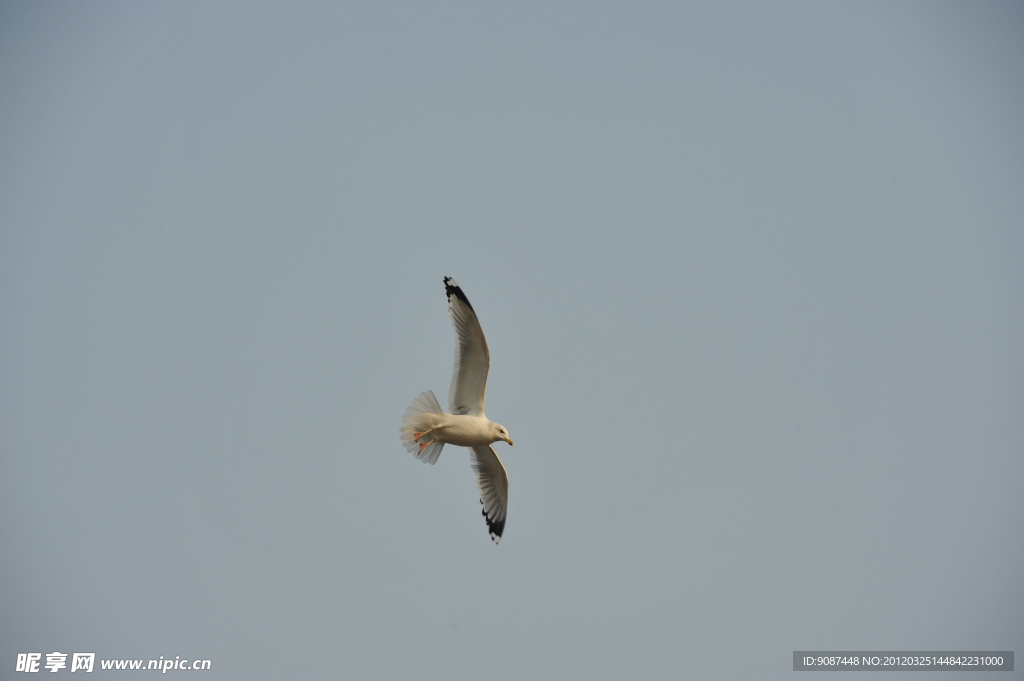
426	427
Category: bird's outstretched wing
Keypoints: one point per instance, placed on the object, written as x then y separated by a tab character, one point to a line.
472	359
492	481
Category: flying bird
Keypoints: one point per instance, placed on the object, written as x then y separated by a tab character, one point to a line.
427	428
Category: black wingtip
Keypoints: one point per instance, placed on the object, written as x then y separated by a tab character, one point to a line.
495	528
452	289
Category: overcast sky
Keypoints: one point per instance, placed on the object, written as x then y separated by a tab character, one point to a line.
751	275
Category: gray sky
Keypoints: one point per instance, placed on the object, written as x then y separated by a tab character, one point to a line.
750	274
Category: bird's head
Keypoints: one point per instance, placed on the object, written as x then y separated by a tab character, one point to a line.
500	433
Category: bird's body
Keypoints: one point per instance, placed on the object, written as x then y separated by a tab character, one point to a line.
458	429
427	428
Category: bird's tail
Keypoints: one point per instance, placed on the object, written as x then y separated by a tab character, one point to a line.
420	418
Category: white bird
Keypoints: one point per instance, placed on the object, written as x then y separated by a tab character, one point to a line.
426	428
